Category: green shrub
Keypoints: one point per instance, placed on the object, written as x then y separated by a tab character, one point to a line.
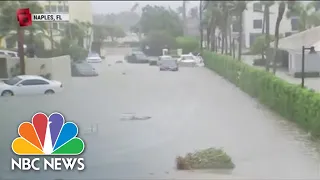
291	101
187	44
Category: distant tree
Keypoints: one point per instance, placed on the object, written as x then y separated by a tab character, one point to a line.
158	18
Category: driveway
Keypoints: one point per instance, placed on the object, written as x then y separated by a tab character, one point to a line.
190	109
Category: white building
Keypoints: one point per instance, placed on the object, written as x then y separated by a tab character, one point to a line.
253	18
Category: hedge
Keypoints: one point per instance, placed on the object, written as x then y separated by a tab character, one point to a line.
297	104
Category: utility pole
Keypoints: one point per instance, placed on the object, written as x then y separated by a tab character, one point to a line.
21	49
50	27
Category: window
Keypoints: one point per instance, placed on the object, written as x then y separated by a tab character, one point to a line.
32	82
66	9
257	24
53	8
235	27
257	7
294	24
60	9
2	52
47	9
54	25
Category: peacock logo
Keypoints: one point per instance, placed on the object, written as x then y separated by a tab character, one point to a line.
48	136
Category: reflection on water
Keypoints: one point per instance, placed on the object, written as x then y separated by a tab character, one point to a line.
188	115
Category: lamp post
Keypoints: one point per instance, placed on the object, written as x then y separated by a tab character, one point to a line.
312	51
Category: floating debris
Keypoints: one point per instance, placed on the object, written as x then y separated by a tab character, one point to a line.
210	158
132	116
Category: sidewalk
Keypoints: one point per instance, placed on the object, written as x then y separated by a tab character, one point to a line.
312	83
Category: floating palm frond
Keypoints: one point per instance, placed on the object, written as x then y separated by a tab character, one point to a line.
211	158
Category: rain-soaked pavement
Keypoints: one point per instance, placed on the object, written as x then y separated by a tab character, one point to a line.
190	109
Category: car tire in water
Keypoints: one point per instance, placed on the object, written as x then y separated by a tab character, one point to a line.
48	92
7	93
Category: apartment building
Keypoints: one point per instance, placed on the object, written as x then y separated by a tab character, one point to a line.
253	23
77	10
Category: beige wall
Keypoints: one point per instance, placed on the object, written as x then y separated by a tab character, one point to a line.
59	67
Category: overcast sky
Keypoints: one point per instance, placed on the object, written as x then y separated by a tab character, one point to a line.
118	6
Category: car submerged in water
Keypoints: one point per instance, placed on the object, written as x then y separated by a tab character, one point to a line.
137	57
169	65
94	58
82	69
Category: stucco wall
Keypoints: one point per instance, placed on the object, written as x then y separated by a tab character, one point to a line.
58	67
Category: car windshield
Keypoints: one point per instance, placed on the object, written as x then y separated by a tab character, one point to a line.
187	58
84	66
165	58
12	81
169	62
93	56
140	54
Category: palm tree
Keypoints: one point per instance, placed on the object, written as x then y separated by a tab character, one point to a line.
281	9
240	7
194	13
266	14
306	15
184	17
8	19
213	16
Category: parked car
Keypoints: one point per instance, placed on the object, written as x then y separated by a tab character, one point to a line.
9	53
153	61
82	69
188	60
29	84
169	65
94	58
137	57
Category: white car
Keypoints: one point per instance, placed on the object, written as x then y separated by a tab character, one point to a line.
188	59
94	58
29	84
9	53
163	58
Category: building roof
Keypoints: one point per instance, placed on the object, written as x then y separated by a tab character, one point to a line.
306	38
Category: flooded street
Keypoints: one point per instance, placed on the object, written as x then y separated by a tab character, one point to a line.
191	109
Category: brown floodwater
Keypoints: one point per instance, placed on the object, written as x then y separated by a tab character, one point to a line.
190	109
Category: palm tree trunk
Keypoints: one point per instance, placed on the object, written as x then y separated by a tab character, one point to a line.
279	18
213	39
208	37
184	16
240	36
267	36
222	43
263	31
230	38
